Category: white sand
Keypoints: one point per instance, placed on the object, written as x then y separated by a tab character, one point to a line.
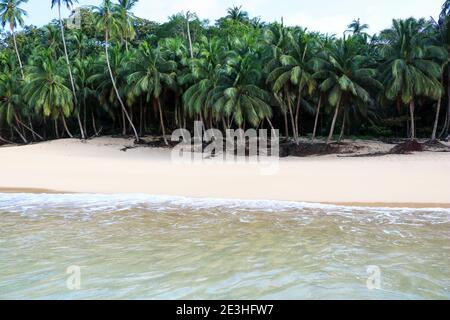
98	166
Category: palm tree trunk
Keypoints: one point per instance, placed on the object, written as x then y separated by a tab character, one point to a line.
447	127
436	120
291	116
141	115
163	128
286	125
65	126
124	124
85	117
72	82
438	111
270	123
297	111
55	122
412	107
20	135
342	129
115	87
94	126
444	127
317	119
189	36
5	140
333	124
27	127
17	51
31	128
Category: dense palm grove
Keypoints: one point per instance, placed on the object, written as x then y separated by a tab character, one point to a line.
119	74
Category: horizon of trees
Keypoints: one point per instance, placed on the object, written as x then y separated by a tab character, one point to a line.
119	74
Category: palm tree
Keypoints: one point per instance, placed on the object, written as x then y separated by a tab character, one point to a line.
82	71
356	27
128	32
12	14
347	77
109	23
409	70
276	38
206	79
442	27
296	69
151	74
100	80
68	4
11	99
241	97
236	13
47	91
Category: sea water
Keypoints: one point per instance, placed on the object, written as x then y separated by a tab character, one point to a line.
88	246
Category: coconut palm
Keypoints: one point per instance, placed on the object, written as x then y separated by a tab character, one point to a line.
100	79
442	27
347	77
175	50
206	75
10	98
12	104
150	74
46	88
276	39
12	14
68	4
409	70
296	69
83	69
128	32
241	97
356	27
110	24
236	13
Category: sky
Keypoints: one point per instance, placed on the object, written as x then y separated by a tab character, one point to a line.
327	16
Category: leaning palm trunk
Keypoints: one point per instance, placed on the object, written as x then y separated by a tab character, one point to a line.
17	51
317	120
115	87
66	128
72	82
20	134
333	124
5	140
34	133
412	107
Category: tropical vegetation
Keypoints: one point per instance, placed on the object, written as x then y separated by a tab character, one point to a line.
116	73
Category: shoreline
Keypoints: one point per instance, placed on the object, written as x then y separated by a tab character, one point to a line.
382	205
100	166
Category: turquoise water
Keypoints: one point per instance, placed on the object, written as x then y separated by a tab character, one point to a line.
143	247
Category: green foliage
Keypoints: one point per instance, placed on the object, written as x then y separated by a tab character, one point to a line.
243	73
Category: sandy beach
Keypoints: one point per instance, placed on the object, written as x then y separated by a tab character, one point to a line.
101	166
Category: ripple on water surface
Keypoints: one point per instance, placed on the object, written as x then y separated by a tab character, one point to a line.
154	247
